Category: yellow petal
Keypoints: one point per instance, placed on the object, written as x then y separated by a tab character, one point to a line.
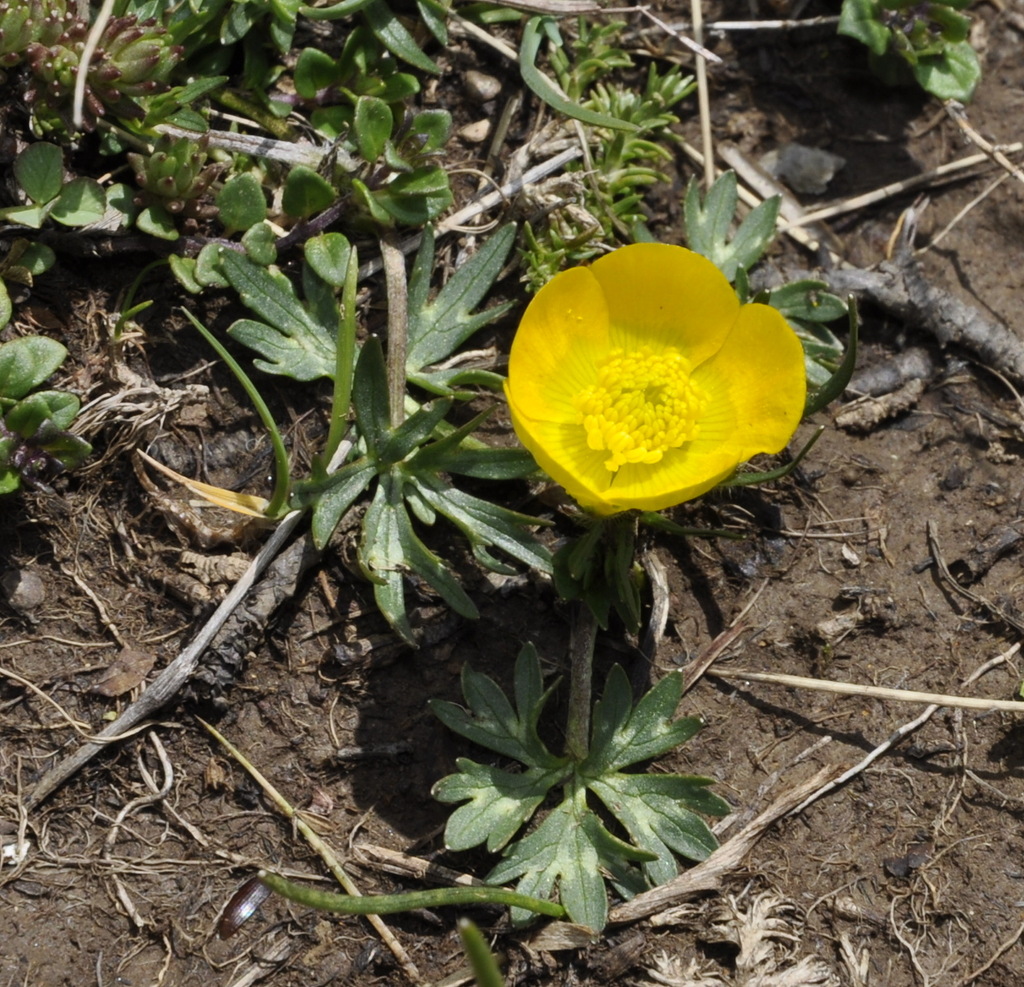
660	294
561	451
563	332
756	385
748	366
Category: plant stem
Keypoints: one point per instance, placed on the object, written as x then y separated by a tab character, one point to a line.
398	325
582	637
344	360
390	904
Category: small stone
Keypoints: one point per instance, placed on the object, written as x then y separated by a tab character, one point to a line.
806	170
23	588
474	133
481	87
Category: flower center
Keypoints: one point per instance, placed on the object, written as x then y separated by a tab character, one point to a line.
643	404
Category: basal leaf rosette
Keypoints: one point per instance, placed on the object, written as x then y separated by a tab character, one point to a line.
640	382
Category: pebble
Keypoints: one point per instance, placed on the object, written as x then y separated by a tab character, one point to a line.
23	588
481	87
806	170
474	133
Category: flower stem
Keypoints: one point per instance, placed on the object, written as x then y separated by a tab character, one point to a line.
398	325
582	637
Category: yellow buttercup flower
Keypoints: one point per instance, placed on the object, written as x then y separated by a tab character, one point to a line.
641	382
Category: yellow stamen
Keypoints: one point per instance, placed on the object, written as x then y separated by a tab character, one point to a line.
643	404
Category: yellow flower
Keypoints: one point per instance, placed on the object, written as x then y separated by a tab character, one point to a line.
641	382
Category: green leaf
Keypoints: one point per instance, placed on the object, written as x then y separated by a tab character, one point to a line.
370	397
422	561
434	14
260	243
207	271
26	362
338	10
292	343
240	203
624	734
652	809
481	960
952	75
570	849
334	497
31	216
37	258
380	558
327	255
490	720
120	198
156	221
498	802
413	431
430	130
438	328
838	382
6	308
535	30
390	32
28	415
184	271
39	170
315	71
415	198
486	525
306	192
861	19
390	547
807	299
708	225
10	479
491	464
373	123
81	202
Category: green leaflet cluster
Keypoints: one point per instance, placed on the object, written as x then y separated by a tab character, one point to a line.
572	848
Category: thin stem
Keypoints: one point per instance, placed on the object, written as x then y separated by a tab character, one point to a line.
344	359
282	469
703	100
389	904
581	680
398	326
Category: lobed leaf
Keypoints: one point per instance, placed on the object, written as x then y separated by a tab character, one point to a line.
438	328
624	734
292	343
498	803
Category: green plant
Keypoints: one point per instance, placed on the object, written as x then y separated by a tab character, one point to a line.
39	170
628	126
34	442
405	465
172	181
22	263
573	848
133	60
927	38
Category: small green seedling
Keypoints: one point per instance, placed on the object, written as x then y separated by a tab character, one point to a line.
21	265
924	41
39	170
34	442
172	182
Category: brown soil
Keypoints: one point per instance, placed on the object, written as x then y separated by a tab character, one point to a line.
909	874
